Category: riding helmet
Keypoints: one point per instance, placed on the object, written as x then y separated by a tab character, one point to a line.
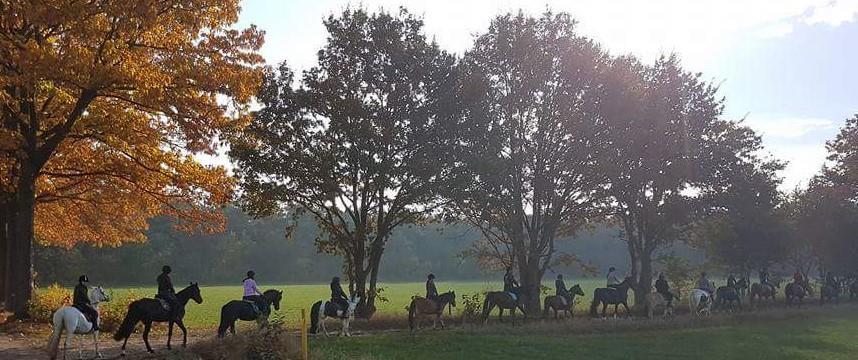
166	269
336	279
431	276
251	273
83	279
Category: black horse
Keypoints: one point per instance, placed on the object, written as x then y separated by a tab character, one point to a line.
829	292
729	295
795	291
154	310
612	296
259	309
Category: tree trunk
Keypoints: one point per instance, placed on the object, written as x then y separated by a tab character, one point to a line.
644	284
531	284
5	218
19	283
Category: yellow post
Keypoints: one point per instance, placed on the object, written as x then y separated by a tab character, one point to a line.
305	348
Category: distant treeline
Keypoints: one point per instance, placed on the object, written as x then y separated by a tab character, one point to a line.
261	245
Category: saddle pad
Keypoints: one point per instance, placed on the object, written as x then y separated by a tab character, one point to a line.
514	298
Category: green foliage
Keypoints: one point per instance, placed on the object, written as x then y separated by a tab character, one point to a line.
678	271
472	307
47	300
113	312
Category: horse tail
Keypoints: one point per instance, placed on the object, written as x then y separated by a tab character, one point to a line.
594	304
412	310
56	335
314	316
224	324
127	327
545	304
486	308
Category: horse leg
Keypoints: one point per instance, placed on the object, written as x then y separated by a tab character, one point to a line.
147	326
616	306
500	314
324	328
512	315
346	327
181	325
604	309
169	334
232	328
125	342
628	312
95	344
69	339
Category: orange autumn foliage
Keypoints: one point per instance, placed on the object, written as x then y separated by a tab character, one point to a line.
109	100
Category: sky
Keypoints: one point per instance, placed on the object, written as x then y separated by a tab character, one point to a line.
787	68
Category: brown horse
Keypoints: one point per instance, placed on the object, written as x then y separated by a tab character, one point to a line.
502	300
764	292
422	307
795	291
559	304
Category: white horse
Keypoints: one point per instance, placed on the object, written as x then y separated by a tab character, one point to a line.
72	321
700	302
324	309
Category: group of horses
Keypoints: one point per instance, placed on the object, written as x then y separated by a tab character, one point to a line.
73	322
151	310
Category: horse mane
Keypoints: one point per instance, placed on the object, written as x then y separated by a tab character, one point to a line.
270	292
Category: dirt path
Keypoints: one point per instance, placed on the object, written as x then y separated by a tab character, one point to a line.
29	343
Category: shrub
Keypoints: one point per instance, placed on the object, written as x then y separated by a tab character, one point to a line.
471	307
113	311
273	343
47	300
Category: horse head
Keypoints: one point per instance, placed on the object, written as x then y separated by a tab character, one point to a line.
576	290
192	292
451	297
97	294
273	297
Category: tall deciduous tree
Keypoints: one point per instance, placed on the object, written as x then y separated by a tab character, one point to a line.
745	227
530	137
103	104
670	150
356	145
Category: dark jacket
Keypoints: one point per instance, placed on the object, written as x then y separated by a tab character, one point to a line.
509	282
81	295
431	290
165	286
662	287
337	291
560	288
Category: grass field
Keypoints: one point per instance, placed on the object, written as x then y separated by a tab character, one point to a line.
830	333
297	297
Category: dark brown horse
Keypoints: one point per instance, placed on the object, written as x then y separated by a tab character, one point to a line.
503	300
795	292
422	307
559	304
616	296
764	292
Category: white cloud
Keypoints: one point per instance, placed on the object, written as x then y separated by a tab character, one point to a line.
775	30
787	127
834	13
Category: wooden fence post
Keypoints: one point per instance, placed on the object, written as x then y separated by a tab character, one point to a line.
305	348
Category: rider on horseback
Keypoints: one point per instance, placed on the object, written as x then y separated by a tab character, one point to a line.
250	289
764	278
561	291
510	285
82	302
166	291
704	284
663	288
431	290
338	296
252	293
613	278
731	281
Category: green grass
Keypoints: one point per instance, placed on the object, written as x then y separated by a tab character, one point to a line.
814	335
297	297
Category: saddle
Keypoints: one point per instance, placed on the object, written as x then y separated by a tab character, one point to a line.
86	312
256	309
164	304
334	309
